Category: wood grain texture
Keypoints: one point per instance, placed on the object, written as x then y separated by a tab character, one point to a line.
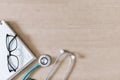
89	28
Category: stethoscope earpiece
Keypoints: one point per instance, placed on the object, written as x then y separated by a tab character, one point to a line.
62	51
44	60
72	56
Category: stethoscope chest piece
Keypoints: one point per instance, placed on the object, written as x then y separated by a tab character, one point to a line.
44	60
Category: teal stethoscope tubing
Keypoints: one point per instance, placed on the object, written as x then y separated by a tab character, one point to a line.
44	61
29	71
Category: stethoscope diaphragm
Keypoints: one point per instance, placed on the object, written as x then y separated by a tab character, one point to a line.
44	60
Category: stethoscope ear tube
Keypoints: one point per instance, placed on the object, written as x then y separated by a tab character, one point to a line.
68	69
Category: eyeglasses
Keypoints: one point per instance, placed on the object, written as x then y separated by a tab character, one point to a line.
12	59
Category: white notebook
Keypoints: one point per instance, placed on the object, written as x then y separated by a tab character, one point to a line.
14	54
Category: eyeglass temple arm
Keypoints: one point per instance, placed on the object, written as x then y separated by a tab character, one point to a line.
30	71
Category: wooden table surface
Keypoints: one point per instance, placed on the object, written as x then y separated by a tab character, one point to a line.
88	28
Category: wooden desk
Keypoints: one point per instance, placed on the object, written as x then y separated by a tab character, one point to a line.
89	28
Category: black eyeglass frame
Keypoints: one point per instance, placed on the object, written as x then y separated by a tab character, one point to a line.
10	66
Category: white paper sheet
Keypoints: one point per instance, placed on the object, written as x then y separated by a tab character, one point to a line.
24	55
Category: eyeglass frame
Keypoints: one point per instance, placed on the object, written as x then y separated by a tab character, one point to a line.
10	53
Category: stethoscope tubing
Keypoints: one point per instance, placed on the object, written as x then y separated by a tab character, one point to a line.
30	71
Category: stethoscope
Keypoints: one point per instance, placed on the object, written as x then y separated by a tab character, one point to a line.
45	60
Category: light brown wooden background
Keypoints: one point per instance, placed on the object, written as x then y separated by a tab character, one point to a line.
89	28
